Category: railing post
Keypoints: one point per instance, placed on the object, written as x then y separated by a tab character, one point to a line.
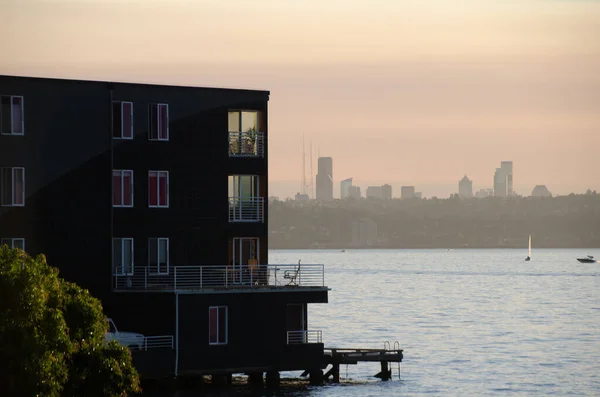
175	278
201	268
146	277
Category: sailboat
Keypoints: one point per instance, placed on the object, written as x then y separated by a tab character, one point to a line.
529	252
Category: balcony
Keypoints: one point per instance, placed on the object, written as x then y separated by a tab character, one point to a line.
306	336
246	144
222	278
247	209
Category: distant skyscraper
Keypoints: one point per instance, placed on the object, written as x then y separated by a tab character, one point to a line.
507	166
386	192
374	192
407	192
325	179
503	179
354	192
465	188
344	186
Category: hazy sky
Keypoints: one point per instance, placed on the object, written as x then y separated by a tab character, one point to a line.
414	92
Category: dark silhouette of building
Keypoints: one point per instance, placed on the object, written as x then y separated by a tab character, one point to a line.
154	198
465	188
325	179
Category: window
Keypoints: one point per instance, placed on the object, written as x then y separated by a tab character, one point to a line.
123	120
14	243
123	256
122	188
158	255
159	122
13	186
158	189
12	119
217	325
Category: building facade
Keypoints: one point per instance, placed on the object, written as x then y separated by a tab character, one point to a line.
345	185
325	179
465	188
407	192
154	198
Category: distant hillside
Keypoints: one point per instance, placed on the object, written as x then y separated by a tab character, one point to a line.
557	222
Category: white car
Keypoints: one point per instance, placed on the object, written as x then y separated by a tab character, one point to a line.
130	339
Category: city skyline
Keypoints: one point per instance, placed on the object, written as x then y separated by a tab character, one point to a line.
451	87
502	184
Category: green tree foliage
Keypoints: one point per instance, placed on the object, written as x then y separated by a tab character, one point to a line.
52	335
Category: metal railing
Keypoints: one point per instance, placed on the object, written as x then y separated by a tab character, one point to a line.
199	278
246	144
159	342
246	209
306	336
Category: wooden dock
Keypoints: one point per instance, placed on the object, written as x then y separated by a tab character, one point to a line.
351	356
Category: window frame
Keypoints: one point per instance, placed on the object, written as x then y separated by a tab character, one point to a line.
168	201
158	266
121	125
218	341
121	176
11	242
121	271
13	189
12	121
158	106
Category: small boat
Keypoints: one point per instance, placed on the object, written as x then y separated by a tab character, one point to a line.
529	252
587	259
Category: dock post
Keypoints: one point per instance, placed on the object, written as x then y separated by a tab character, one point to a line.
256	378
385	373
316	377
273	379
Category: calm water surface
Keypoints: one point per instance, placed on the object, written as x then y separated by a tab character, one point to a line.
471	322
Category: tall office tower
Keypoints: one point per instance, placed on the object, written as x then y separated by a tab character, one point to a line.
499	183
407	192
465	188
507	166
503	179
344	186
325	179
386	192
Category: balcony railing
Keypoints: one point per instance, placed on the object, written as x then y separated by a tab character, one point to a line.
246	144
221	277
307	336
158	342
246	209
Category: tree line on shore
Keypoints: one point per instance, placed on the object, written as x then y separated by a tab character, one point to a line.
571	221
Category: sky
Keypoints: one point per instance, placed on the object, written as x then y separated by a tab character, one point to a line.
412	92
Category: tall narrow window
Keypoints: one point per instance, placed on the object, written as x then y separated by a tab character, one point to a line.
158	189
12	116
123	256
159	122
13	186
13	243
217	325
158	255
123	120
122	188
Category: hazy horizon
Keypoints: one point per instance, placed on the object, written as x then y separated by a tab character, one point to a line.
407	93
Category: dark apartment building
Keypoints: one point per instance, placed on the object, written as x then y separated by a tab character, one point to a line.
154	198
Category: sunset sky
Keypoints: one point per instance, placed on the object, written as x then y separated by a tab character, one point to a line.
412	92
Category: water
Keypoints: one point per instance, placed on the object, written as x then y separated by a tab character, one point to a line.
471	322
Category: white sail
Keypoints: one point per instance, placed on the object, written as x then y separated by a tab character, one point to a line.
529	252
